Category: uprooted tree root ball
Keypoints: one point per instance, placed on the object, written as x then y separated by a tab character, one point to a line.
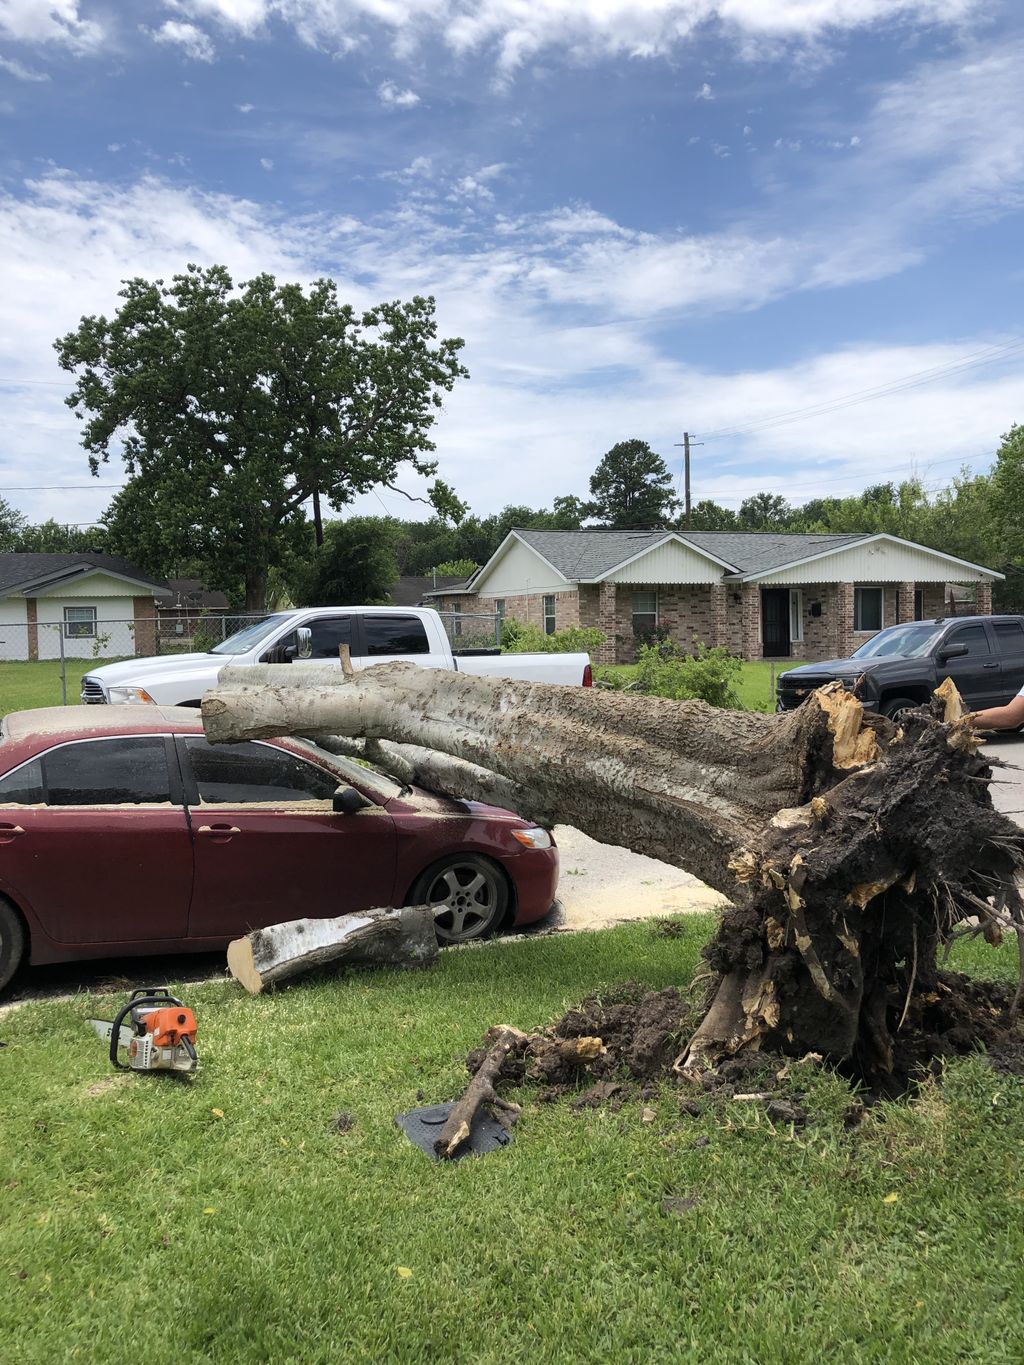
851	848
625	1045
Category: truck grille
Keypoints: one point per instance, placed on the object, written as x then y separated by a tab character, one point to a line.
92	692
792	693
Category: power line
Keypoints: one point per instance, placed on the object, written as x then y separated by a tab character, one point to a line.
55	487
973	360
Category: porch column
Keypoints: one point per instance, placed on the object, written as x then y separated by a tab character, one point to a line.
905	602
32	619
751	611
719	615
983	599
844	620
607	620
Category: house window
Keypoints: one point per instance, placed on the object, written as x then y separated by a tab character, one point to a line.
919	604
79	623
549	615
796	616
645	612
867	609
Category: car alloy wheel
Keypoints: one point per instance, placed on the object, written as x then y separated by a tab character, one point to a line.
469	896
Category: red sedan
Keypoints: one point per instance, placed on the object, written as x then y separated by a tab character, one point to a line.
124	832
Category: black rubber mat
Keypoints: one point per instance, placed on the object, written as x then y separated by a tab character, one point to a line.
421	1126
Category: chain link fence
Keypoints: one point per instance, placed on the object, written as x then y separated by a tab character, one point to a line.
42	663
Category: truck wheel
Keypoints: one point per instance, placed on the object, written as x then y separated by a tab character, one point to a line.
896	706
12	942
469	895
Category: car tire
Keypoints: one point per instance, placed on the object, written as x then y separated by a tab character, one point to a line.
12	942
897	705
474	890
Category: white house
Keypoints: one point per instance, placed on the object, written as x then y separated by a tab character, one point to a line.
762	595
85	606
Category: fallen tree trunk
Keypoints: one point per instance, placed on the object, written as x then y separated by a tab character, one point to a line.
393	938
849	846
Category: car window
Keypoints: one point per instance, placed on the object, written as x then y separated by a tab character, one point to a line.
328	633
243	774
128	770
24	786
1009	637
395	635
974	637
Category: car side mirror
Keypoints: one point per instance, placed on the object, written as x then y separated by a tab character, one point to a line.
952	652
347	801
304	649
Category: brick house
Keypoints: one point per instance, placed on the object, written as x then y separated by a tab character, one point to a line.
762	595
86	605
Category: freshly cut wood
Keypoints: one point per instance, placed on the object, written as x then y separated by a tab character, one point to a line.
395	938
850	846
459	1123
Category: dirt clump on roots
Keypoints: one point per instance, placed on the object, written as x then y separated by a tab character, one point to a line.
622	1046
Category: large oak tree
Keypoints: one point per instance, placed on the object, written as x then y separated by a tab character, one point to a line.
233	407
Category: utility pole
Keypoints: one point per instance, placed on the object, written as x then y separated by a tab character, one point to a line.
318	525
686	443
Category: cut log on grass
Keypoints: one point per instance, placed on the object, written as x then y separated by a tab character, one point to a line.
392	938
457	1127
849	846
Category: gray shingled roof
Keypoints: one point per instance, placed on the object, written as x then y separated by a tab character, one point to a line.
590	554
16	570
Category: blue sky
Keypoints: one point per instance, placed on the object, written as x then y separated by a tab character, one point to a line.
643	216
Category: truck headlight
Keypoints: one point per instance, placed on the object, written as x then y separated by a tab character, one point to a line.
134	696
532	838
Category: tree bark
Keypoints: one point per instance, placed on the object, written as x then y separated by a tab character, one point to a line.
459	1123
395	938
848	846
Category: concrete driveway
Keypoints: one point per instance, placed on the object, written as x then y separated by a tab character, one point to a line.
1008	782
602	885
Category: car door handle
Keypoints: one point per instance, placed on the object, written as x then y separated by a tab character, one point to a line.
218	831
9	832
990	665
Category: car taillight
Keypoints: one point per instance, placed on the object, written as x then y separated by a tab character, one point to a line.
588	676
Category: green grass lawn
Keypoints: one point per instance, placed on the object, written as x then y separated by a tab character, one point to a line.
754	687
225	1220
23	685
26	685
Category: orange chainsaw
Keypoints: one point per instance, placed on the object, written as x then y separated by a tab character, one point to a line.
156	1031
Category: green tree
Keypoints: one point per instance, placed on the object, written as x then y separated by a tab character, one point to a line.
355	566
764	512
709	516
455	568
12	527
53	537
631	489
232	408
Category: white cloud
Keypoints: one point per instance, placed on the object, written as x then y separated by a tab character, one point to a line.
561	313
115	146
50	21
245	108
393	98
705	93
21	72
192	40
514	32
266	163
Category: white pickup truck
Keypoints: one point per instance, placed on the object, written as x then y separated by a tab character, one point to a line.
313	635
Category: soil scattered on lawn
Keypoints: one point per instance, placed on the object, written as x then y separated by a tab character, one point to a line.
643	1033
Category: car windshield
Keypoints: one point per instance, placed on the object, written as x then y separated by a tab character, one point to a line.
250	637
909	641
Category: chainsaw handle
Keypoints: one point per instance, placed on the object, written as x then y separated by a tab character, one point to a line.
145	995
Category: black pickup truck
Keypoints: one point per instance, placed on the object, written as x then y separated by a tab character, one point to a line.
900	666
